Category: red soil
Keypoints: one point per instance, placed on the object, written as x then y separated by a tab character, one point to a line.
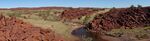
36	8
12	29
3	9
40	8
76	13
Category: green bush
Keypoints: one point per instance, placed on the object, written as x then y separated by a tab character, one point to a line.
48	15
87	19
16	14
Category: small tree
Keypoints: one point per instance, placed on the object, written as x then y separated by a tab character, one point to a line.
139	6
114	8
132	6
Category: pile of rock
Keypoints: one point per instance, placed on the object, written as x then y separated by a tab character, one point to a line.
127	18
12	29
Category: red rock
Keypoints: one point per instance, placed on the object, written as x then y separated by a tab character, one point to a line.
12	29
76	13
119	18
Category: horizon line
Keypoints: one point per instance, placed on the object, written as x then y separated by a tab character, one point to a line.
67	7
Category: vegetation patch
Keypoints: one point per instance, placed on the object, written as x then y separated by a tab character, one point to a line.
49	15
87	19
139	33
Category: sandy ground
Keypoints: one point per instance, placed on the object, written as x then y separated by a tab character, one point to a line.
57	26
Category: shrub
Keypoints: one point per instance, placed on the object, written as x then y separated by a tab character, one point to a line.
87	19
139	33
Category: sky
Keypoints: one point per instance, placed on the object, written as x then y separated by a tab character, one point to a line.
72	3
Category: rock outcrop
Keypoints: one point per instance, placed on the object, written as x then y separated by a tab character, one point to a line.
127	18
76	13
12	29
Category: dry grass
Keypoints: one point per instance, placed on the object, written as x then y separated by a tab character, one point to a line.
138	33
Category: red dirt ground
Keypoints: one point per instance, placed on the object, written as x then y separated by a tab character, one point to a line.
77	13
12	29
35	8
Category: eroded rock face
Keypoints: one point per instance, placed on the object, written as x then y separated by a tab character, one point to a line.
127	18
12	29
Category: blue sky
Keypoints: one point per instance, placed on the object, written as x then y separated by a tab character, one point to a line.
72	3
